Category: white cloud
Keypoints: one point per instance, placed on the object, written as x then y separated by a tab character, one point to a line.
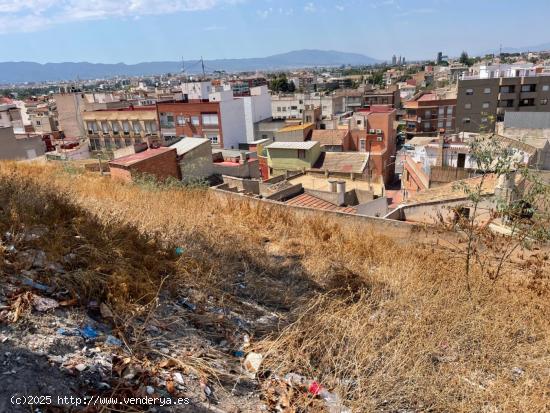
264	14
310	7
32	15
339	7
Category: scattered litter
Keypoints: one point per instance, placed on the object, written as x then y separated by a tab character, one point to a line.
517	372
239	353
188	304
43	304
35	285
105	311
68	332
180	251
113	341
332	401
150	390
80	367
252	363
178	378
88	332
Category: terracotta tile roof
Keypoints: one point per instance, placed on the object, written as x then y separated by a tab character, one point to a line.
310	201
329	136
344	162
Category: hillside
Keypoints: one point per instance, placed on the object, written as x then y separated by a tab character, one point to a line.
191	284
19	72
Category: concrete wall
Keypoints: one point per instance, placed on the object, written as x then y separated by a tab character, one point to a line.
248	185
430	212
69	108
396	229
375	208
286	193
233	123
19	148
257	107
196	164
249	169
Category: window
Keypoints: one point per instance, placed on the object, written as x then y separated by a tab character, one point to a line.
440	124
181	120
468	106
427	114
195	121
484	119
441	111
294	108
527	102
449	110
137	127
485	105
528	88
545	88
278	108
427	125
127	141
105	127
116	127
487	90
210	119
449	124
359	121
544	101
38	123
214	140
284	108
507	89
362	145
466	120
469	92
126	127
301	154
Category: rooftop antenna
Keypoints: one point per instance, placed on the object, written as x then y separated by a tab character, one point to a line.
182	66
202	63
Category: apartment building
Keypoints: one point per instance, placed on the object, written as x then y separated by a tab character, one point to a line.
486	93
112	129
215	114
428	112
293	106
42	119
390	96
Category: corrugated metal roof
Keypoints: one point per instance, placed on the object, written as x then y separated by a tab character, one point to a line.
140	156
292	145
188	144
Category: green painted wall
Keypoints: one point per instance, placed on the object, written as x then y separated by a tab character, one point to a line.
287	159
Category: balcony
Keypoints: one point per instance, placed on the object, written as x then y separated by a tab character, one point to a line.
167	125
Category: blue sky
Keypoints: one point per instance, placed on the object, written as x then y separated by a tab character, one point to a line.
132	31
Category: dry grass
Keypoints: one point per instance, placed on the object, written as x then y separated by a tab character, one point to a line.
389	326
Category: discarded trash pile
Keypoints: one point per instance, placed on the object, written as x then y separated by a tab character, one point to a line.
112	290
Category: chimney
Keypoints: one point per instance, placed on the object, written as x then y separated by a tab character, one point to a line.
333	185
440	147
341	191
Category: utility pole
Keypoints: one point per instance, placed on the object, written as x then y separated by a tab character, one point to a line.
202	63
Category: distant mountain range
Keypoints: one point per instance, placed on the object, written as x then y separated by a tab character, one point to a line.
537	48
20	72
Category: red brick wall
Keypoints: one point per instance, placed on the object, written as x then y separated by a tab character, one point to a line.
162	166
120	173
